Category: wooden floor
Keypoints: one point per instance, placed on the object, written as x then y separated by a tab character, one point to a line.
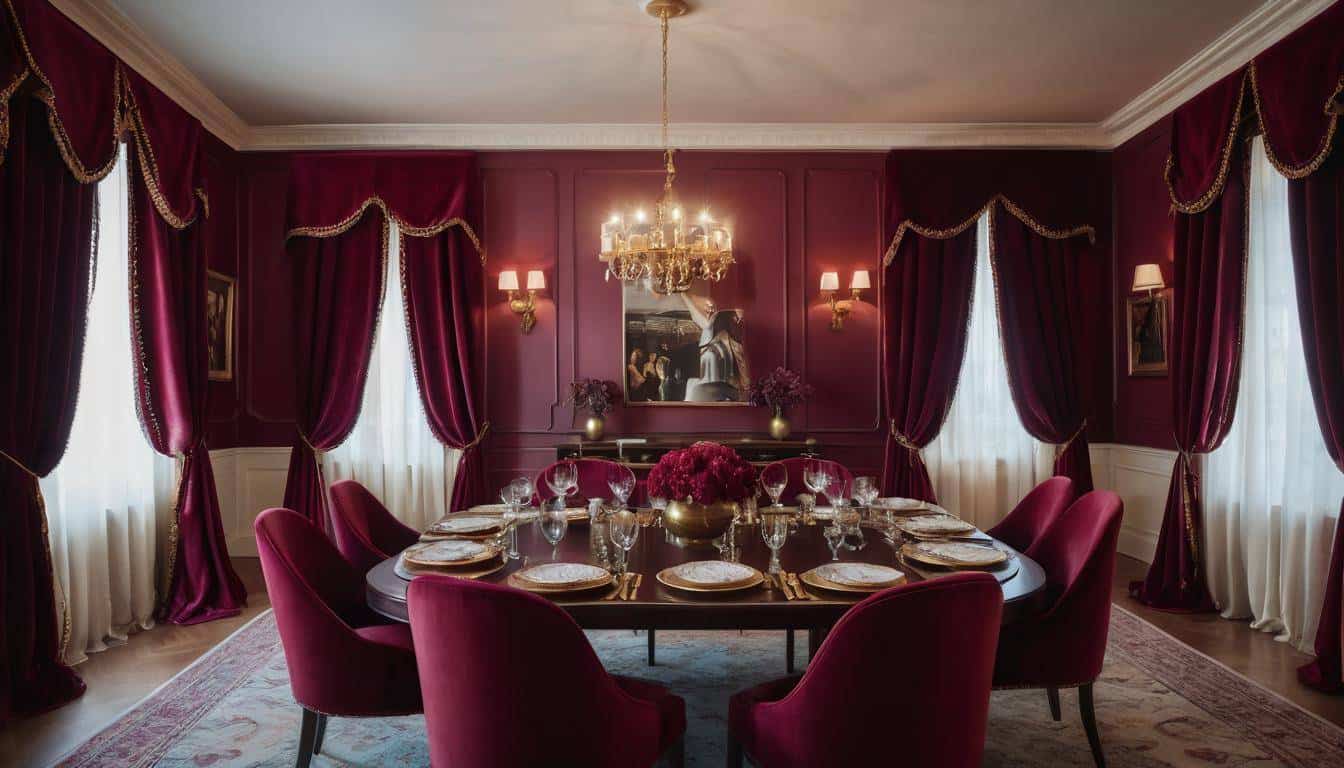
121	676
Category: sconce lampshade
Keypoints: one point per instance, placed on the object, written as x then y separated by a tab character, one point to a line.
1148	277
830	281
508	280
860	281
536	280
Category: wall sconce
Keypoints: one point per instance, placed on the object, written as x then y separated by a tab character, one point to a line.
830	285
525	306
1148	277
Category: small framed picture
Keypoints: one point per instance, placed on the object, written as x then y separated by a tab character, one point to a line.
219	290
1149	333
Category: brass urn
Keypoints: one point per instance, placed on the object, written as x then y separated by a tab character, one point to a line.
779	426
698	522
592	428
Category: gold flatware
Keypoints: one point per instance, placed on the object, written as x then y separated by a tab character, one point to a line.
635	580
803	594
790	590
620	588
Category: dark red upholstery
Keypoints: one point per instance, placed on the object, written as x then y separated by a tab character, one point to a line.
862	701
1037	510
1065	646
342	659
510	680
796	485
593	474
366	533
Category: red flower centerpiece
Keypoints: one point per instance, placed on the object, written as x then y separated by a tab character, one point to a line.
703	485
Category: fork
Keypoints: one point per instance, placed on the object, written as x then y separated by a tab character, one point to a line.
620	588
636	580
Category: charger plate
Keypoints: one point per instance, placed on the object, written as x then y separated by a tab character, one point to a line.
954	554
711	576
447	553
409	572
471	526
549	578
934	526
852	577
903	506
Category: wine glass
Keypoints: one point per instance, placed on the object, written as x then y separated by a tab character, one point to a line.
624	524
562	477
865	490
775	531
621	481
508	519
835	538
554	522
847	519
834	489
817	477
774	479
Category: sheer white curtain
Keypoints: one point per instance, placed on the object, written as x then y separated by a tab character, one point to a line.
391	450
983	461
1271	491
101	499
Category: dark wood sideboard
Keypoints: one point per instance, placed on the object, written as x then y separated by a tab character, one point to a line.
759	451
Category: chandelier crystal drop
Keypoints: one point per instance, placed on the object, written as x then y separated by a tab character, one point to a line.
668	248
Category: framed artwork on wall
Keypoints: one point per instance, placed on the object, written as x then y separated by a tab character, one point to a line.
682	349
1148	332
219	297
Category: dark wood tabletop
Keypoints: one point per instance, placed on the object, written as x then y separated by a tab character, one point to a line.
658	606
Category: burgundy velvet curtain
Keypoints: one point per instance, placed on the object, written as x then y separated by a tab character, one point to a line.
46	254
168	269
338	290
927	295
1036	278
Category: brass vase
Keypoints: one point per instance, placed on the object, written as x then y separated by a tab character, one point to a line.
779	426
698	522
592	428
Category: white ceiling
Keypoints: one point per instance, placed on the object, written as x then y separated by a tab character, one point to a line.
271	65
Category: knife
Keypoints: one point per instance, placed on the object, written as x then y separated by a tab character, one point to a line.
784	586
636	581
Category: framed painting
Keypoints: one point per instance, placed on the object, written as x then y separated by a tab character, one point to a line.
219	298
1147	322
682	349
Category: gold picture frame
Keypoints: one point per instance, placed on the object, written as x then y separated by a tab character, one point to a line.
691	371
219	300
1148	333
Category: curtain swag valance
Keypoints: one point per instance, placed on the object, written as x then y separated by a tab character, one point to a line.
1292	95
1000	199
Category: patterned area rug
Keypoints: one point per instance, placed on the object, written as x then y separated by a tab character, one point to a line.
1159	703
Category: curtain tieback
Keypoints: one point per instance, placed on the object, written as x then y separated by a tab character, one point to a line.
914	451
1190	489
316	451
22	466
1064	446
485	428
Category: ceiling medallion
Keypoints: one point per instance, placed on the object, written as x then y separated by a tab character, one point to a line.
666	249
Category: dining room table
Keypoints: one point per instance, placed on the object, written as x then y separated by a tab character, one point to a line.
770	605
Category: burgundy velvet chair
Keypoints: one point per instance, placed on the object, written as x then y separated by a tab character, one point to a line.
1037	510
343	660
863	701
593	474
510	680
795	465
1065	646
366	533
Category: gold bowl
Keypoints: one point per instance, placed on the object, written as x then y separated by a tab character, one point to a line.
698	522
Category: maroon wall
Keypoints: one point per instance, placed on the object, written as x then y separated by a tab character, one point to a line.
222	180
1142	223
794	215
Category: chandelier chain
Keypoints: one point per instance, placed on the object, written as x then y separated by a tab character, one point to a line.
667	146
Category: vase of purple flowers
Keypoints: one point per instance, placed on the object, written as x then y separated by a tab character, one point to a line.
779	390
597	397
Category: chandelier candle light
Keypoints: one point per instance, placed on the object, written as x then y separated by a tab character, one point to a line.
665	248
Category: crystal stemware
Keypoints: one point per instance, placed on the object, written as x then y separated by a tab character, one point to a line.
554	522
621	481
563	477
775	531
865	490
624	524
774	479
835	538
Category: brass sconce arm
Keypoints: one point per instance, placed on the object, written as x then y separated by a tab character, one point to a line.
526	306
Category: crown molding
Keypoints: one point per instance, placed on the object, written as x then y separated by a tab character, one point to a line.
128	42
1265	26
1231	50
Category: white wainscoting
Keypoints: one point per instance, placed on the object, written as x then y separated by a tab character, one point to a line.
252	479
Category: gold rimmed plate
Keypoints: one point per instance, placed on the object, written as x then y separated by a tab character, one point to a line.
935	526
852	577
408	571
463	526
955	554
448	553
711	576
551	578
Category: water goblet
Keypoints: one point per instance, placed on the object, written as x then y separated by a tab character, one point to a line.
835	539
775	531
562	478
774	479
621	481
554	522
865	490
624	525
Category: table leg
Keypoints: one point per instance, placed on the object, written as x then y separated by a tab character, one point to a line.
651	634
788	652
815	637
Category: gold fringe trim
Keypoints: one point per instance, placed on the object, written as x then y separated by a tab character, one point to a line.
1013	208
1202	202
5	96
485	428
403	227
149	167
932	234
168	578
46	548
913	452
1332	108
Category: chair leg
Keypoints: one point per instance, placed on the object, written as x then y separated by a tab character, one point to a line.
1090	724
788	652
734	751
321	732
1053	695
307	736
675	756
651	657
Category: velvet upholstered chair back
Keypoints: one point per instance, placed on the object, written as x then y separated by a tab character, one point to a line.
510	680
795	465
593	475
1037	510
910	666
366	533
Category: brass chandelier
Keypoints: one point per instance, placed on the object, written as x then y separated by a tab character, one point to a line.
666	249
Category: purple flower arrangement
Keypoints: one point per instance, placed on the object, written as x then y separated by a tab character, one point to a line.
706	473
595	395
781	388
